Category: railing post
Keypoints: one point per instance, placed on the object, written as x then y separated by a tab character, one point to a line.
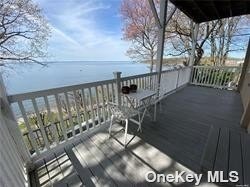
191	77
117	76
243	71
9	122
177	81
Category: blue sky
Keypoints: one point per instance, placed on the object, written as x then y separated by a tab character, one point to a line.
84	30
89	30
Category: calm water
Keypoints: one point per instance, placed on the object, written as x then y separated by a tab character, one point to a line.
26	78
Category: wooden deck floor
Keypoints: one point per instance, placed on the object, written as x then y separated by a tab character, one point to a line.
175	142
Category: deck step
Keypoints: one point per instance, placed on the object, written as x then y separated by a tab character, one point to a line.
245	139
33	179
72	180
209	153
227	150
221	159
82	172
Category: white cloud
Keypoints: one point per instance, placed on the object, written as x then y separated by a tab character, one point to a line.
76	34
58	34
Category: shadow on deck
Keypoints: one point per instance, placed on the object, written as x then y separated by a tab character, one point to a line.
176	142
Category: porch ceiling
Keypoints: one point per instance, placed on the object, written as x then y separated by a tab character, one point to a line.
208	10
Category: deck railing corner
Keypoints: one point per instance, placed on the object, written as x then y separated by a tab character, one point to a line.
52	118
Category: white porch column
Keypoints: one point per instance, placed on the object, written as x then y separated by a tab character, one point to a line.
194	31
244	89
161	23
161	39
117	76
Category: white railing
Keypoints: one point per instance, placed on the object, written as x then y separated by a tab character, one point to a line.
50	118
174	79
225	77
55	116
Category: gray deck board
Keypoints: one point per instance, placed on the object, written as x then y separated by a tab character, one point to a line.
73	180
177	141
209	154
114	158
91	161
235	156
33	179
226	151
98	170
80	167
221	160
128	163
245	156
115	176
182	154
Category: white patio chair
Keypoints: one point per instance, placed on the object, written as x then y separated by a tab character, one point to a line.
123	113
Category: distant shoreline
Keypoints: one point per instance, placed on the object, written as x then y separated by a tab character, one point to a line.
180	60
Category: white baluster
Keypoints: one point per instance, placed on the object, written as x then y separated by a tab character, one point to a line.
91	107
70	114
103	105
77	111
59	108
108	98
86	117
55	134
44	134
30	131
98	106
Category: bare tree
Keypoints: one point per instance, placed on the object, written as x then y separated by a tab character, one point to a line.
34	120
179	38
222	40
63	104
216	36
139	28
79	100
23	31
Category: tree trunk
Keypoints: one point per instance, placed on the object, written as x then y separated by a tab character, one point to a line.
213	49
151	62
200	53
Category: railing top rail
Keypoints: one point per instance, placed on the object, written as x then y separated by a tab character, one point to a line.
150	74
137	76
52	91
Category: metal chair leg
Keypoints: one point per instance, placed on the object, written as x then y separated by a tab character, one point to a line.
140	129
160	106
126	132
155	106
110	126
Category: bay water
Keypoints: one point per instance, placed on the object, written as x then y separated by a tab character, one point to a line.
22	78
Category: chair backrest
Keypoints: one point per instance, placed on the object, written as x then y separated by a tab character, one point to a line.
115	110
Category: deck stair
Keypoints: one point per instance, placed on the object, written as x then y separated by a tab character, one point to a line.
227	150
